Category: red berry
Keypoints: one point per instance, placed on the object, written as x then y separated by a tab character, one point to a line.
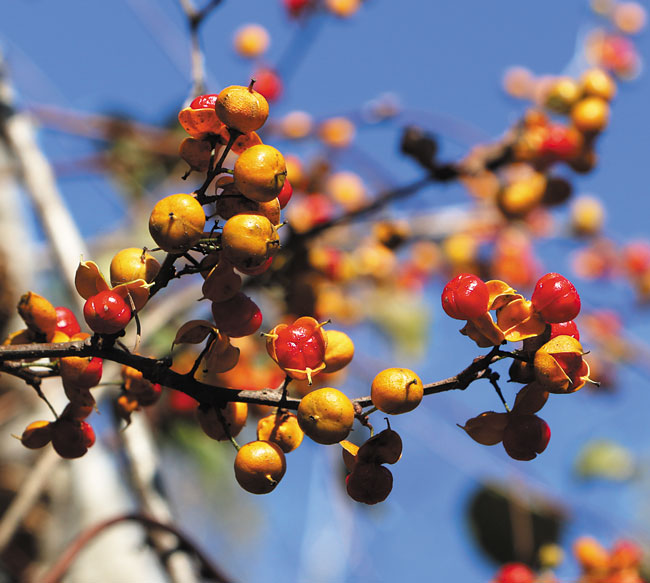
204	101
556	299
256	270
514	573
268	84
299	346
525	436
295	7
106	313
66	321
565	329
238	316
465	297
285	193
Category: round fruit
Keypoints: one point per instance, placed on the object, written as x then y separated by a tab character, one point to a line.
268	83
259	466
339	351
242	108
133	263
396	390
251	40
106	313
326	415
176	222
284	196
260	173
248	240
465	297
598	83
66	321
590	114
555	298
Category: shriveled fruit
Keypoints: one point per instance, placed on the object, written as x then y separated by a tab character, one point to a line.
222	282
224	422
106	313
133	263
81	371
525	436
38	313
396	390
71	439
248	240
326	415
260	172
37	434
196	153
383	448
281	428
238	316
369	483
242	108
259	466
176	222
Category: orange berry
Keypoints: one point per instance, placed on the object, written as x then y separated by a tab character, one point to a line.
176	222
259	466
251	40
248	240
281	428
196	153
242	108
326	415
337	132
598	83
396	390
133	263
260	172
590	115
339	351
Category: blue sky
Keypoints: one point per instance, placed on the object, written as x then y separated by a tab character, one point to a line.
444	61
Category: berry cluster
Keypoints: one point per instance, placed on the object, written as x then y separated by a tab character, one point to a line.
550	360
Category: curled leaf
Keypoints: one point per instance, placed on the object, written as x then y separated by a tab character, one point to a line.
193	332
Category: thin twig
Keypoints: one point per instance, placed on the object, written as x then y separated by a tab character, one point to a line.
60	568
